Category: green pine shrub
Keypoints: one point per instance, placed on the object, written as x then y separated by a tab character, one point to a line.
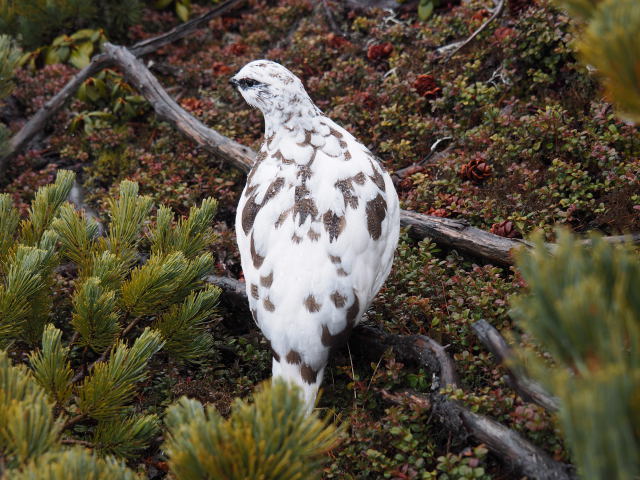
9	58
271	439
137	290
611	43
583	308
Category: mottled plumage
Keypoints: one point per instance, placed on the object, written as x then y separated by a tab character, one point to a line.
317	225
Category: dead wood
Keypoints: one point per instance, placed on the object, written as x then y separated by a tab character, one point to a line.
167	109
184	29
371	342
526	387
458	234
457	46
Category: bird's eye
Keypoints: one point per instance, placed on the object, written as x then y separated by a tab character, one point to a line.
248	83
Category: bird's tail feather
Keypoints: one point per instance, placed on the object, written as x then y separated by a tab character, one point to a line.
292	374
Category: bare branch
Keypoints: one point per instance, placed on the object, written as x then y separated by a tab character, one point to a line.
527	388
167	109
183	30
459	46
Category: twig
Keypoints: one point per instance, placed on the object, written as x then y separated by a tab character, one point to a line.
184	29
73	441
36	124
496	13
331	21
72	421
527	388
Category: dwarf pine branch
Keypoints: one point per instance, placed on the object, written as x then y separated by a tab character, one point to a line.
583	308
95	315
126	436
132	294
44	208
190	236
273	438
184	325
77	235
51	367
610	43
112	384
9	221
28	426
73	464
128	214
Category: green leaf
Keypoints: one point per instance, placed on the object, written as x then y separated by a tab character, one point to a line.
79	58
182	11
425	9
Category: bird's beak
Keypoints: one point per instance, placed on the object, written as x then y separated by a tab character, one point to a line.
233	82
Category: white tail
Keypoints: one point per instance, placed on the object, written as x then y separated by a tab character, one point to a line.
292	374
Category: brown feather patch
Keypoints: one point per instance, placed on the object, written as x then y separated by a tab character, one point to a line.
376	212
267	281
333	224
311	304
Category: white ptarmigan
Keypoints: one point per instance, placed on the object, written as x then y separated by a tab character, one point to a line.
317	226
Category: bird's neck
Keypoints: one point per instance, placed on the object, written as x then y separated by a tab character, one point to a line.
290	115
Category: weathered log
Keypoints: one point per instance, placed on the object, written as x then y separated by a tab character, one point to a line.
371	342
167	109
526	387
460	235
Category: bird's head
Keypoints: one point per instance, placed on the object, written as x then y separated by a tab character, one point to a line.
270	87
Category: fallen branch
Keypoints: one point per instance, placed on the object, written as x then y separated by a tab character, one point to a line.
371	342
183	30
36	124
511	447
167	109
527	388
458	234
460	45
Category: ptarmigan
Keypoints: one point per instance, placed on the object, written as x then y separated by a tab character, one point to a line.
317	226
